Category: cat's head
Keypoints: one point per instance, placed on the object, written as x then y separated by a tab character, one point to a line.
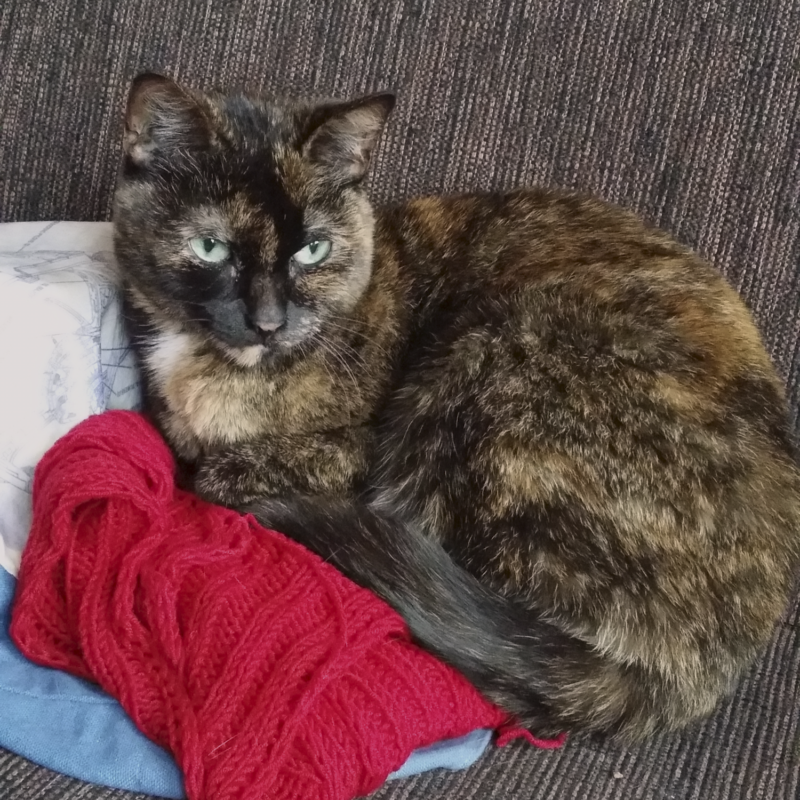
242	220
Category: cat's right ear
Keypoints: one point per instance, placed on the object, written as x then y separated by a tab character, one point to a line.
160	116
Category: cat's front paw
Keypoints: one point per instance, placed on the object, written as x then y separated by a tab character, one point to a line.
221	478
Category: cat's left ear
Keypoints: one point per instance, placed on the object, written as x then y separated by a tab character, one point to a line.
343	136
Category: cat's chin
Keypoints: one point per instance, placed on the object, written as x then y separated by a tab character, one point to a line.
247	356
259	355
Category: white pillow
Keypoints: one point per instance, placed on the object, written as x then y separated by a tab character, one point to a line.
63	352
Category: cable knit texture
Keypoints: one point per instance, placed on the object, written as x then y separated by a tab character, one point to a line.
260	667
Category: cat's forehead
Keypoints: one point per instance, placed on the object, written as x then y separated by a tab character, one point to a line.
255	123
229	219
254	115
247	191
249	144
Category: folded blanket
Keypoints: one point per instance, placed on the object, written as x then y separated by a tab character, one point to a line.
261	668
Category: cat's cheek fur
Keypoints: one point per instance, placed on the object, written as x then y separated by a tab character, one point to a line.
167	352
352	250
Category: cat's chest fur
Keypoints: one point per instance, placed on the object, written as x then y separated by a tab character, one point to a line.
211	403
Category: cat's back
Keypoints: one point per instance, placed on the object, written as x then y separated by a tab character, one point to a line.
579	337
583	277
502	239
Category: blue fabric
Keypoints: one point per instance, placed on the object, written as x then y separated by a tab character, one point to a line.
71	726
450	754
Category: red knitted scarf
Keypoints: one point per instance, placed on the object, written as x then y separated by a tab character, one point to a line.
261	668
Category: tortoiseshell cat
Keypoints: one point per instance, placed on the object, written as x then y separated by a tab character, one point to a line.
545	433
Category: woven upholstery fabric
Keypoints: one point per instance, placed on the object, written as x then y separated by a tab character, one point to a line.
687	111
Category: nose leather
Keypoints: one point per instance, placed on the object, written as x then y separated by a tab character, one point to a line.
269	319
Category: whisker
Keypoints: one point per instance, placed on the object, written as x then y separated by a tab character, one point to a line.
339	327
340	358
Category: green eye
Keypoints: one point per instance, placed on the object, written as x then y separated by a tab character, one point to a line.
313	253
213	251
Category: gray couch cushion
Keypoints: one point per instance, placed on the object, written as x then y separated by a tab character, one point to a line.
686	111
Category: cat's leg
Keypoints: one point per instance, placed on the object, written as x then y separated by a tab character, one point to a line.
319	463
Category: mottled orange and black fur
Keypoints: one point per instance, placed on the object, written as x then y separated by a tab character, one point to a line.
547	434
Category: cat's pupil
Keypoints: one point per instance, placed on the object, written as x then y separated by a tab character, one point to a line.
313	247
209	244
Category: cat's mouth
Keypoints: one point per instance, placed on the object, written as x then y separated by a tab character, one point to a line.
276	352
250	343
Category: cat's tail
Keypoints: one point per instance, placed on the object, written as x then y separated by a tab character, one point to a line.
518	660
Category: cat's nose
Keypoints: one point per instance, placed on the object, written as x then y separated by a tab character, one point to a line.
268	327
269	320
